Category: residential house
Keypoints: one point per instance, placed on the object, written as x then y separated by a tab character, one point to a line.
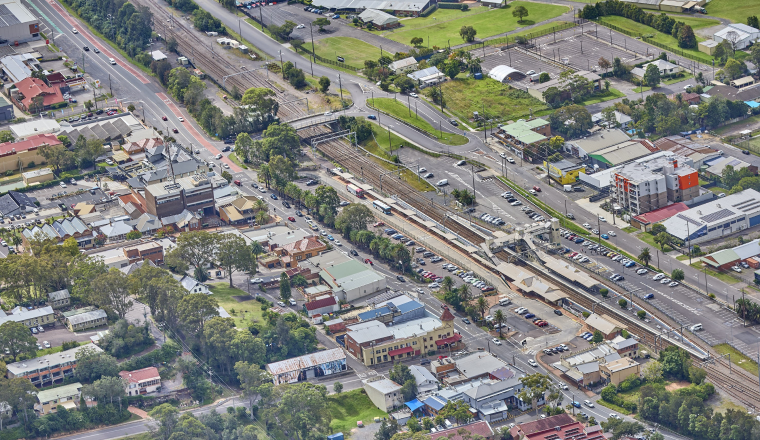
192	285
494	398
59	298
50	367
61	230
296	251
322	306
666	68
403	65
117	230
383	392
684	147
379	19
146	224
183	222
622	120
142	145
524	137
477	429
15	203
625	347
143	381
425	380
240	210
83	321
537	89
31	318
427	77
67	396
690	98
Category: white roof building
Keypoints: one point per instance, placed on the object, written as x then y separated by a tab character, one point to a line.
719	218
376	17
34	127
502	73
738	34
408	63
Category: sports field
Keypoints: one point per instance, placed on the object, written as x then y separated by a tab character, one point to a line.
441	28
733	10
352	50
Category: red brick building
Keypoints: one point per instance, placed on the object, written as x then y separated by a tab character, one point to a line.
559	427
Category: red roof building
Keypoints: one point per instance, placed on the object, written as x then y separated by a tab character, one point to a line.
646	220
559	427
322	306
144	381
30	88
481	428
31	143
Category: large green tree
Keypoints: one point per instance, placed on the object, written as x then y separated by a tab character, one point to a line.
16	337
233	254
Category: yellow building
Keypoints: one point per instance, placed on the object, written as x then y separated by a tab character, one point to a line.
564	172
13	155
619	370
66	396
37	176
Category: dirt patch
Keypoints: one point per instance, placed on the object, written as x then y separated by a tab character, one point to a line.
242	298
677	385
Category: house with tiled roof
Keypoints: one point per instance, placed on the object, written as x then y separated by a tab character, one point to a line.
321	306
239	210
301	249
30	88
480	428
143	381
142	145
60	231
561	426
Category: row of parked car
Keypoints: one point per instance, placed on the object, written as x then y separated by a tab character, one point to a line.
663	279
558	349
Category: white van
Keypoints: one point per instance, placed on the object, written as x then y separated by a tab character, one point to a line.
442	182
696	327
504	301
112	61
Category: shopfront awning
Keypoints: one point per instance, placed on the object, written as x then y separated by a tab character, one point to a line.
400	351
456	338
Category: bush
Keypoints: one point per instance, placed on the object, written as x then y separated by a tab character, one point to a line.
641	314
586	314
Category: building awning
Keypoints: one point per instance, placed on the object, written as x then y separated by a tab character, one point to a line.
456	338
401	351
414	405
69	404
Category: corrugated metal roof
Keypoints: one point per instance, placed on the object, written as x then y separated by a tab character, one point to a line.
372	4
306	361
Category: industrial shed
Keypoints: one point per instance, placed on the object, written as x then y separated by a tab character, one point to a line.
503	73
321	363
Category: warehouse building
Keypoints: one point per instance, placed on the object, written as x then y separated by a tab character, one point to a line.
321	363
17	23
622	153
598	141
408	8
352	280
716	219
738	34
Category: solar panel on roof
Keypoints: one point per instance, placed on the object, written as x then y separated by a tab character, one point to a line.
749	206
8	17
719	215
688	219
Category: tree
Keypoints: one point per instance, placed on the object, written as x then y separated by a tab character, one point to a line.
354	217
457	410
645	256
303	408
598	337
131	108
233	254
134	235
194	309
652	372
255	382
651	76
677	275
543	77
327	196
321	22
284	287
675	363
535	387
196	247
468	33
520	12
16	337
697	375
324	84
499	319
641	314
657	228
571	121
482	306
260	100
734	69
663	239
753	21
338	387
402	375
417	41
6	136
605	64
609	117
404	83
112	291
92	365
686	37
622	303
106	389
387	429
166	415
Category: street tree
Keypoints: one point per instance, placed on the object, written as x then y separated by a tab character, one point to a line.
645	256
324	84
468	33
338	387
663	239
233	254
536	386
167	416
677	275
284	287
112	291
499	318
482	306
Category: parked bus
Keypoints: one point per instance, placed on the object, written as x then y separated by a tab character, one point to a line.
358	192
382	207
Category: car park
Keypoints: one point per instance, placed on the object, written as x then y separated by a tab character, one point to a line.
529	315
665	281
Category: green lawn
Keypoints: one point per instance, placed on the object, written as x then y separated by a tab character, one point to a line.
737	358
648	238
665	39
630	229
732	10
354	51
606	95
463	96
349	407
744	122
245	312
726	278
382	149
441	28
399	110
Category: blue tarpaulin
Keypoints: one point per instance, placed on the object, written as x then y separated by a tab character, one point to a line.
752	104
414	405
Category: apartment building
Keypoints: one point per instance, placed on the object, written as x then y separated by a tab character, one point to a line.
49	368
194	193
646	185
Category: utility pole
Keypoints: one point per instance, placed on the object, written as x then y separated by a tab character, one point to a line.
472	171
340	87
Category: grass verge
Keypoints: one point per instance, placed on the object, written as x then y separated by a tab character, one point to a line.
667	40
648	238
233	157
399	111
738	358
245	312
606	95
346	408
630	229
745	122
441	28
726	278
380	146
463	96
617	409
102	37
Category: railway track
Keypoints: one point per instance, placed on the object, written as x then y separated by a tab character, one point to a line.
216	66
371	172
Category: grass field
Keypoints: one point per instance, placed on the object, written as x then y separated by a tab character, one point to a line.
441	28
606	95
732	10
737	358
667	40
245	312
401	111
349	407
465	95
354	51
380	146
